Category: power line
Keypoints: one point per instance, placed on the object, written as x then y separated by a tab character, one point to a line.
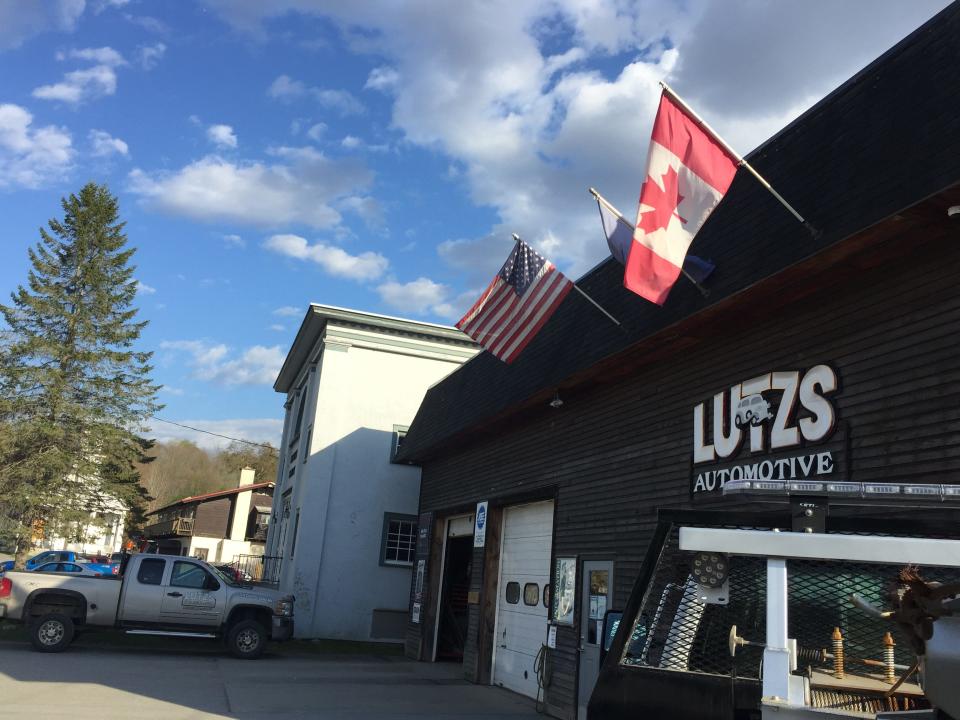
208	432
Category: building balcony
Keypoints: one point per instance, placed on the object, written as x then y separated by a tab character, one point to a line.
177	526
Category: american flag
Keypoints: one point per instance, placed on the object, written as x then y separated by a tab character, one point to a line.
519	301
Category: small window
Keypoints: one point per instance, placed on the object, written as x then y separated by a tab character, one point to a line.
513	593
398	545
399	435
296	528
70	567
531	594
546	595
150	572
189	575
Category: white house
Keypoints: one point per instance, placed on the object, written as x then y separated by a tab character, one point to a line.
345	515
103	535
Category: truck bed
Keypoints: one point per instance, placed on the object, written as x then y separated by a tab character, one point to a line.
102	594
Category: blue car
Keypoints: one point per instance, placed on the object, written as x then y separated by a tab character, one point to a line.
63	556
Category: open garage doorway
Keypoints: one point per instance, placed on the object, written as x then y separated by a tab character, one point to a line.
455	590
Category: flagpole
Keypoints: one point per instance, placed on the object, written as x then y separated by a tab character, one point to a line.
592	301
720	141
606	203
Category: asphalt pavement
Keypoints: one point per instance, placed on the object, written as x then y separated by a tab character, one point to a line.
87	682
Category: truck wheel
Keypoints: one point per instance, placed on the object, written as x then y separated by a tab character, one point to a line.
51	632
246	639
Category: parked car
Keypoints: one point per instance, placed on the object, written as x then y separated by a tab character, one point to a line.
67	567
157	594
99	565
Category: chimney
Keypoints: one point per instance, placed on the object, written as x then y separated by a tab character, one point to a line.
241	506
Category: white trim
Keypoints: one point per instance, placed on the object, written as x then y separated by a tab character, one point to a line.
496	610
821	546
443	562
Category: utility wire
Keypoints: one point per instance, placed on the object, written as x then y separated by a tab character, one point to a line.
225	437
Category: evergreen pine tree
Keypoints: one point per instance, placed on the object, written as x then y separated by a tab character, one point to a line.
74	390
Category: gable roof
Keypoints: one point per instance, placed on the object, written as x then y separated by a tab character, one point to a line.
213	496
882	142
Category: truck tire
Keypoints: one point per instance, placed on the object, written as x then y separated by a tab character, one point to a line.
246	639
51	633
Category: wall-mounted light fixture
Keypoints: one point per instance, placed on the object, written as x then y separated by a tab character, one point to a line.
556	402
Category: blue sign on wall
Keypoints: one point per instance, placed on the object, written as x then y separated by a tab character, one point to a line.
480	525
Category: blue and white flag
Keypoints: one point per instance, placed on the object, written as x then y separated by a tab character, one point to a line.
619	234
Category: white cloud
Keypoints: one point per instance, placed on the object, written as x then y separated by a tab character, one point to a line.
287	89
419	296
81	85
335	261
302	188
258	430
531	130
151	55
257	365
288	311
99	56
234	241
100	5
316	131
103	144
222	136
144	289
171	390
31	156
19	21
277	327
382	78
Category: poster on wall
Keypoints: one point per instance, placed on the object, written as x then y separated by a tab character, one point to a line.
480	525
564	590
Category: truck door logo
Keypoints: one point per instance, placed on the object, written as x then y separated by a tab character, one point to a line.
199	600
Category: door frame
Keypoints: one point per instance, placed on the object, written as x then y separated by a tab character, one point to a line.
500	595
443	571
496	612
584	614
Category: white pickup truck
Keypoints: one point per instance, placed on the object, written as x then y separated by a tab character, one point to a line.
156	595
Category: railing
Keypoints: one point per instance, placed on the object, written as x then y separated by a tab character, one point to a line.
258	568
176	526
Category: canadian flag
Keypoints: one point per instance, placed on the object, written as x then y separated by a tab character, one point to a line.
688	173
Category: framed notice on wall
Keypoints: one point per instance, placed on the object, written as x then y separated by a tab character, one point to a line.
564	589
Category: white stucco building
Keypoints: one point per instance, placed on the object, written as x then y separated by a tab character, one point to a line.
103	535
345	515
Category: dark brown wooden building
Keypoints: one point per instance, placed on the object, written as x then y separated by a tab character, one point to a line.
823	356
217	526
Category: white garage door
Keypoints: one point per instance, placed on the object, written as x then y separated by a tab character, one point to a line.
521	615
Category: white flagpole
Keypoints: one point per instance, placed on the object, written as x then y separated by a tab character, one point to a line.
592	301
710	131
607	204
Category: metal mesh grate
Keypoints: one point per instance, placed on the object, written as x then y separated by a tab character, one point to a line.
676	630
819	601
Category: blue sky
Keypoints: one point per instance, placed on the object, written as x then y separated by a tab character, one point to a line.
369	155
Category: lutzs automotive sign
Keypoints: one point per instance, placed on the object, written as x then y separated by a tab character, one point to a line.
767	428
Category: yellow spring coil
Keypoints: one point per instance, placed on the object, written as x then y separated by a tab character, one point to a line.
837	638
888	645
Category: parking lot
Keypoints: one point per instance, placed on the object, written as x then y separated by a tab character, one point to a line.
91	681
